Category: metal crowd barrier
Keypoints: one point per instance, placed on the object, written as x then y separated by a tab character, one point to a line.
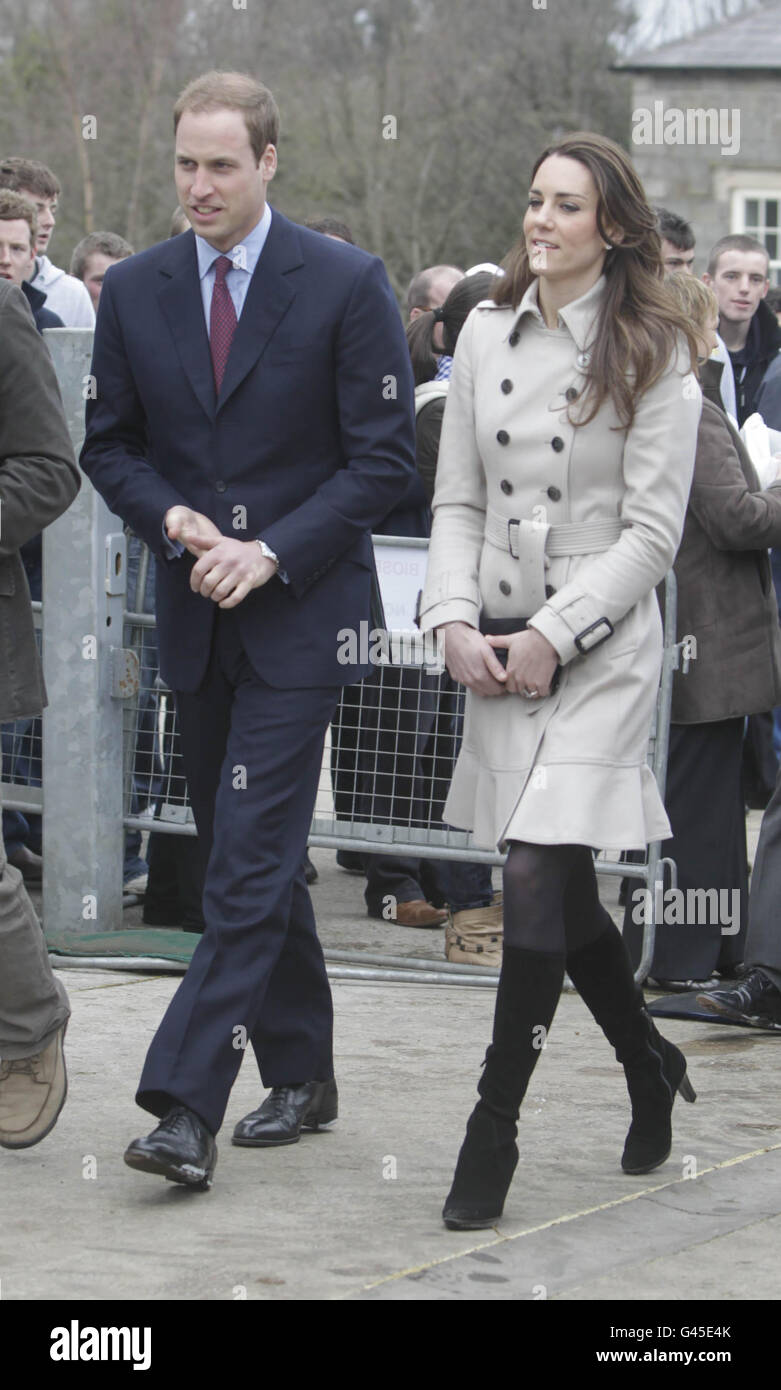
110	741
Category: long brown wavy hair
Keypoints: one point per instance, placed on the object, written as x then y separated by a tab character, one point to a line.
640	320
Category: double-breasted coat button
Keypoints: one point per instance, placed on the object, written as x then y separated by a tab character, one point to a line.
583	359
572	393
549	591
514	337
557	444
220	486
502	437
507	386
504	587
506	486
555	494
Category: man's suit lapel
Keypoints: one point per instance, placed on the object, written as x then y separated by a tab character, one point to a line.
180	301
268	299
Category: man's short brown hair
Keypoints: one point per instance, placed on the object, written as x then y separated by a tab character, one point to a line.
736	241
14	207
236	92
29	176
98	243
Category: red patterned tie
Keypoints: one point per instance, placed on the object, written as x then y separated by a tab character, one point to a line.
222	322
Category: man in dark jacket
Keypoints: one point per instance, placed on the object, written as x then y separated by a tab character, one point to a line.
242	392
738	273
768	398
18	231
38	480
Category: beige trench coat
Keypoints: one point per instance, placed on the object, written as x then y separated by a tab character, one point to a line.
569	768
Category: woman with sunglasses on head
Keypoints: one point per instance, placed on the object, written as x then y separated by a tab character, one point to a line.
564	469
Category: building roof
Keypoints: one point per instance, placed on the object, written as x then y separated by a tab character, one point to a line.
751	43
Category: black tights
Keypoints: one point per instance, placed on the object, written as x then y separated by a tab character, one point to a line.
551	902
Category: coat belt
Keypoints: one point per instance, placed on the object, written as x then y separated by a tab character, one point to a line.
571	538
533	544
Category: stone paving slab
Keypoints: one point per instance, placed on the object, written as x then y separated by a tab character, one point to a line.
343	1214
354	1214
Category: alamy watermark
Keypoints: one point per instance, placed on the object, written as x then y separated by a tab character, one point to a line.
77	1343
669	125
376	646
678	907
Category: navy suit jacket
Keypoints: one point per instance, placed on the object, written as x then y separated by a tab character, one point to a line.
310	443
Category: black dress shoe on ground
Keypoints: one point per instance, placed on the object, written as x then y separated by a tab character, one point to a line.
288	1110
175	918
755	1002
181	1149
310	872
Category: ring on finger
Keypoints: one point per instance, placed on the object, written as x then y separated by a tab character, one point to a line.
531	694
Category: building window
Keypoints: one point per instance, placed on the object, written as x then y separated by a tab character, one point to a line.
757	213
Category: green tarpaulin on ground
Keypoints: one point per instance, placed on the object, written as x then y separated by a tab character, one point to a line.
161	943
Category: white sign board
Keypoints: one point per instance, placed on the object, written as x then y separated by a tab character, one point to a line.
401	571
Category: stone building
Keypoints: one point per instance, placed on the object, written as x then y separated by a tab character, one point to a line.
706	129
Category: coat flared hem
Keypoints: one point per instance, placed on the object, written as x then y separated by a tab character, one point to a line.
614	807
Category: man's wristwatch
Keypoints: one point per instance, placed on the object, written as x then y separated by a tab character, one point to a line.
267	551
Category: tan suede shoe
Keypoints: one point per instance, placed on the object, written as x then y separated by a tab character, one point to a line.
32	1094
474	937
419	913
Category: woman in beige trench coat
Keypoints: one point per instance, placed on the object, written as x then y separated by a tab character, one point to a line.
564	470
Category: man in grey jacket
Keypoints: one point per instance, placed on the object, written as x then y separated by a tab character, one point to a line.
38	481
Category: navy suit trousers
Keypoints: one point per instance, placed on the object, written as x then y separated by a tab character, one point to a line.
252	755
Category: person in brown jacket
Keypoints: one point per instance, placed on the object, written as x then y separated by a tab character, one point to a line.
38	481
728	620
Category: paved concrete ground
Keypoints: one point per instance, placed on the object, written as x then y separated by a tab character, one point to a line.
354	1213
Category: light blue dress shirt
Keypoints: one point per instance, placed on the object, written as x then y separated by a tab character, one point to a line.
245	255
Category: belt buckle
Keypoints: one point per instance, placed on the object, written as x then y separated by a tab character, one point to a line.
514	521
584	646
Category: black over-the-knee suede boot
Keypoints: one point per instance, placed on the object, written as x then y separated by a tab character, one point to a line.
526	998
655	1069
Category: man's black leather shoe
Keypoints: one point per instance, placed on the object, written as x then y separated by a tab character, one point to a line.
286	1111
181	1149
754	1001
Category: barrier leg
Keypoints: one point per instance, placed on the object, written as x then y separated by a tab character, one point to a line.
83	602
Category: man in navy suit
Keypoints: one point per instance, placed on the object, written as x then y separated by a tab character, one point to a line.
253	422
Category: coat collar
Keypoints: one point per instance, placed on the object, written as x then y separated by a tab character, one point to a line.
710	381
579	316
35	298
269	297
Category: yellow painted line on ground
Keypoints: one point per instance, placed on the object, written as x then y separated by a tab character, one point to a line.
570	1216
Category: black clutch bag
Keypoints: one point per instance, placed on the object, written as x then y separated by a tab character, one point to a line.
503	627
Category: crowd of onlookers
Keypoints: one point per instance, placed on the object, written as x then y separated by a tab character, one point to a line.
724	753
